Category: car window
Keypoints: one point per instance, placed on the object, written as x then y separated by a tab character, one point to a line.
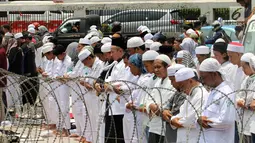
70	26
104	12
249	40
207	32
175	15
155	15
231	34
233	37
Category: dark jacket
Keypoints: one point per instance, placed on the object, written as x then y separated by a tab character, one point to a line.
29	59
3	65
15	58
217	35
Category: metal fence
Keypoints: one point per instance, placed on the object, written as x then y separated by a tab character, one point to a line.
165	20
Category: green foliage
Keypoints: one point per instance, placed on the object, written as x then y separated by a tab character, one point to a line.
189	13
221	12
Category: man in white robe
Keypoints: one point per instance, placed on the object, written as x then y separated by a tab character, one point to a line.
50	91
235	51
228	69
197	95
62	89
244	98
217	121
92	101
157	99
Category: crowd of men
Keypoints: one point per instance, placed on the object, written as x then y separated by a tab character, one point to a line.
148	88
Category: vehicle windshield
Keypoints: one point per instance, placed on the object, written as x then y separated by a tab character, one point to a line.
249	40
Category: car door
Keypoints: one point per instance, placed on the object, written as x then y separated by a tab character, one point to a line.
70	31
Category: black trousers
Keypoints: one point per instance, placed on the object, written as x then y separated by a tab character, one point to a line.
30	89
4	101
114	129
155	138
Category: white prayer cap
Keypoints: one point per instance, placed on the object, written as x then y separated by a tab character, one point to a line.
210	65
94	39
106	47
180	54
144	28
93	27
148	36
164	58
47	48
203	50
184	74
31	26
46	39
235	47
155	46
139	28
149	55
135	42
106	40
18	35
246	57
252	62
84	41
31	30
8	34
84	54
220	40
190	31
193	35
173	69
148	43
49	44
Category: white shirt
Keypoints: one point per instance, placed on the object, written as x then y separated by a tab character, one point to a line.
241	76
247	116
189	111
118	73
229	71
64	66
160	96
38	56
220	109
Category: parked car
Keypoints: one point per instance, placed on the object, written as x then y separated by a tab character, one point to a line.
155	20
104	14
65	33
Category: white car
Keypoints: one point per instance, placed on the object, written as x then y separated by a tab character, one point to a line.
155	20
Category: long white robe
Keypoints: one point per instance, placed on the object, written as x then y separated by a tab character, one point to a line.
149	85
118	73
50	92
189	111
63	94
77	91
133	128
103	97
229	71
44	88
92	103
246	115
220	109
162	92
